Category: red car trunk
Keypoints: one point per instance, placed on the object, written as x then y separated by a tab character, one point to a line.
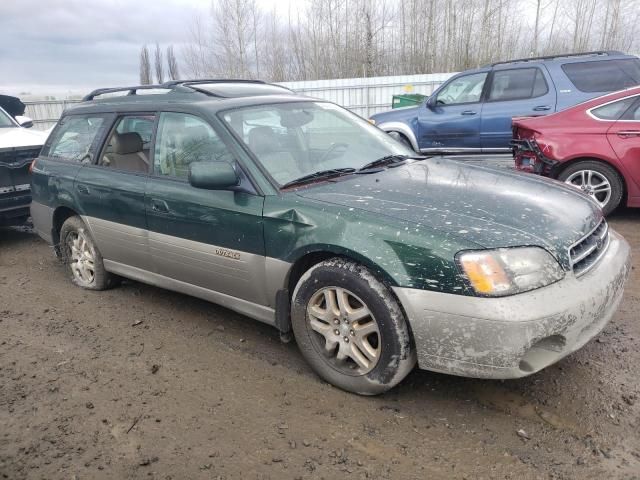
594	146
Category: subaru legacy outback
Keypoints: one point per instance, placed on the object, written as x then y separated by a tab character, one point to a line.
300	214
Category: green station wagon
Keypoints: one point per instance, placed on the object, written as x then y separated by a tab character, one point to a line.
297	213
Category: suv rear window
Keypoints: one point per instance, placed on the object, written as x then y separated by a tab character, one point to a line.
604	75
73	138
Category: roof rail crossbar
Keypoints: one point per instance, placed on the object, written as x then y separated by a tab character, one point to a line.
131	90
560	55
172	83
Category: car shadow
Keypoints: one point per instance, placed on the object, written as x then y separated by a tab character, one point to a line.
12	235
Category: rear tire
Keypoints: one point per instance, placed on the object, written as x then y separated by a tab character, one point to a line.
350	329
82	257
609	187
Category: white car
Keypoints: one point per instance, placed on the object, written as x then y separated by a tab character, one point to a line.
19	145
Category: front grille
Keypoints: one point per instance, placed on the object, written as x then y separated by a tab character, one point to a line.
587	252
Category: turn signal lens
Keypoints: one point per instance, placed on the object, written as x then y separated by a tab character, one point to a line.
33	164
371	121
508	271
485	273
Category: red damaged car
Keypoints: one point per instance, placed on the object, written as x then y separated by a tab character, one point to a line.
594	146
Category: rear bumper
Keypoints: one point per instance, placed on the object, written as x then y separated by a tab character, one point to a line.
14	206
529	158
516	336
42	218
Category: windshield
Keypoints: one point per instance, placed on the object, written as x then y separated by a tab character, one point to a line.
292	140
5	120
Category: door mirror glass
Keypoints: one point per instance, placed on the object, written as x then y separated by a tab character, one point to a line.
213	175
24	122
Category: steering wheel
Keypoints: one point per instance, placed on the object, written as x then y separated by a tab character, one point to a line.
445	100
335	147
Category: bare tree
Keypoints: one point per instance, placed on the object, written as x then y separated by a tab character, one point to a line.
172	64
352	38
145	66
157	63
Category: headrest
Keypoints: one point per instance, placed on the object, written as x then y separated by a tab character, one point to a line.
125	143
263	140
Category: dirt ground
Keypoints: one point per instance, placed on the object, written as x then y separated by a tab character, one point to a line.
138	382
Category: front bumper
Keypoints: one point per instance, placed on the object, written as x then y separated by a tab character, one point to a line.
512	337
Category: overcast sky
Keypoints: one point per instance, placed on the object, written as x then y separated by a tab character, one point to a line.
56	46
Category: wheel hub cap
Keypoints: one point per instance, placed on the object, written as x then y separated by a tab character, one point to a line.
344	330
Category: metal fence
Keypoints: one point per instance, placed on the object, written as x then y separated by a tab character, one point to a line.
364	96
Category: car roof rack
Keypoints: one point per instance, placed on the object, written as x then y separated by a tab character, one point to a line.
176	85
131	90
173	83
203	81
560	55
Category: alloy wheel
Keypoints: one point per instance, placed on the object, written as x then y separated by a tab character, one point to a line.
593	183
81	258
344	330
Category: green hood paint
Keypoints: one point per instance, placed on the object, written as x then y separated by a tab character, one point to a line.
408	223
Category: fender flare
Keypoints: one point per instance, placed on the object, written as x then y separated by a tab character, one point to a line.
402	128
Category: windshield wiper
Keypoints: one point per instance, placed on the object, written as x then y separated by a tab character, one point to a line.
384	161
389	160
322	174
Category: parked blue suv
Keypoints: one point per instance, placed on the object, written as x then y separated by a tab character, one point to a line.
472	111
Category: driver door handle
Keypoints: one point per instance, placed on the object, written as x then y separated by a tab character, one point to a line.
628	133
82	189
541	108
468	112
159	206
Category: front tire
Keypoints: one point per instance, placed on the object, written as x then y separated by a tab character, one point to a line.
350	329
598	180
82	258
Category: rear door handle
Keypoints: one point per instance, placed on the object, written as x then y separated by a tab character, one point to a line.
159	206
628	133
541	108
83	189
468	112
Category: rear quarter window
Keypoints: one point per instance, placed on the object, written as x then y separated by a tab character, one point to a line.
604	75
74	138
614	110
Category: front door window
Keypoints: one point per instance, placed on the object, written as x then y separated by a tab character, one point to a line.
465	89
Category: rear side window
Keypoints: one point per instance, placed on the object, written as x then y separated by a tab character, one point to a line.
604	75
183	139
126	148
74	138
614	110
517	84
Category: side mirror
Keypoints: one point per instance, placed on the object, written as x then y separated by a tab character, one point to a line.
431	102
213	175
24	122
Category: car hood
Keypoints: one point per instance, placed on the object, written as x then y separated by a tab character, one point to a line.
397	114
482	206
11	137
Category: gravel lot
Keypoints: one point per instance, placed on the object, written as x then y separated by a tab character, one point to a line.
138	382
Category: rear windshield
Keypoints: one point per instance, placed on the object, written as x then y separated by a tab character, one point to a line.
604	75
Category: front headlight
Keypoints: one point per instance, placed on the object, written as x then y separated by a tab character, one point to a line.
507	271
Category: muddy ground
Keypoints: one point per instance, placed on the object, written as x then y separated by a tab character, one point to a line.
138	382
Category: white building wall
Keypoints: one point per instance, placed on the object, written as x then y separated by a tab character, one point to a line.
363	96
